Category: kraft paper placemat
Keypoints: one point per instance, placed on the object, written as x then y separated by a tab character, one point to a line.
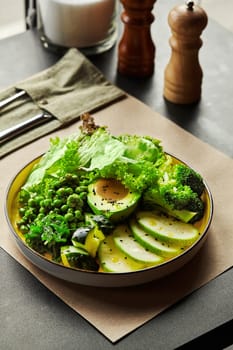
117	312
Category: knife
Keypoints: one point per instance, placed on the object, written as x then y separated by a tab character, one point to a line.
10	133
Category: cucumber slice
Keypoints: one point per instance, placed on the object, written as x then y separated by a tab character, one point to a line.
125	241
167	228
152	243
113	260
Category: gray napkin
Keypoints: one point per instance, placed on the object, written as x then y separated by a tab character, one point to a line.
66	90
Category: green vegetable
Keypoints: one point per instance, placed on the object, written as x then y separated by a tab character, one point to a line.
188	177
93	240
167	229
101	221
112	199
113	260
152	243
76	257
80	235
48	234
141	148
150	239
125	241
58	199
99	149
52	210
61	151
173	193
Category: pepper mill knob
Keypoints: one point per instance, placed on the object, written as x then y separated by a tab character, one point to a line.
136	50
183	74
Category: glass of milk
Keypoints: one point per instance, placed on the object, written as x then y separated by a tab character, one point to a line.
89	25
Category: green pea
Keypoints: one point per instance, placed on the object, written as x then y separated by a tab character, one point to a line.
64	208
69	217
57	203
47	203
83	195
68	191
81	189
61	192
85	182
29	214
78	214
38	199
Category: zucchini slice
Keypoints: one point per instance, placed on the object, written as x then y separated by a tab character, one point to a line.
77	257
125	241
167	228
113	260
152	243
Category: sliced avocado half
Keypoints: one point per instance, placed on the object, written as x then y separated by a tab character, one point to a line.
112	199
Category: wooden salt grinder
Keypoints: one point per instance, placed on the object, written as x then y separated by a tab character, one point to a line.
136	50
183	74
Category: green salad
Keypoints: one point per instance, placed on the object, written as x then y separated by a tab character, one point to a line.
109	203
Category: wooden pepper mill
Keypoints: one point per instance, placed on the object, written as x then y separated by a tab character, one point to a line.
183	74
136	50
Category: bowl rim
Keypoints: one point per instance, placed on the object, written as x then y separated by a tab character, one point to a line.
104	273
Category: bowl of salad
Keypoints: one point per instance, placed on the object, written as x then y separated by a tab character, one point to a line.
108	211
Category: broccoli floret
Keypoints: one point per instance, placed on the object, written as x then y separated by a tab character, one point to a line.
176	197
153	199
189	177
196	205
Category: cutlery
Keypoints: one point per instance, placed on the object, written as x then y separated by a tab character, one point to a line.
12	98
20	128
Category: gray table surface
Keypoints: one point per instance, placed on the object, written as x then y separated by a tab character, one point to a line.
31	316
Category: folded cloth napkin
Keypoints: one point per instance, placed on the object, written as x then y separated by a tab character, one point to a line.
66	90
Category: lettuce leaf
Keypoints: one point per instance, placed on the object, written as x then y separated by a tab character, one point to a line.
58	148
129	158
99	150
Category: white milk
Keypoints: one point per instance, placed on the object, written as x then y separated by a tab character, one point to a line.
76	23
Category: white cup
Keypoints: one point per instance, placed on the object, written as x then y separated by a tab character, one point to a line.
89	25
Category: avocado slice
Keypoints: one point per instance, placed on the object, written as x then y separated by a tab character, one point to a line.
112	199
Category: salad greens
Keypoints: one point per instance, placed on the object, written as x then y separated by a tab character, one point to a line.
52	202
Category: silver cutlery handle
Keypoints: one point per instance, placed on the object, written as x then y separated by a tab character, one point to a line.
20	128
10	99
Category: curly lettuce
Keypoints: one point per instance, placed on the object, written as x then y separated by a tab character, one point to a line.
130	159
